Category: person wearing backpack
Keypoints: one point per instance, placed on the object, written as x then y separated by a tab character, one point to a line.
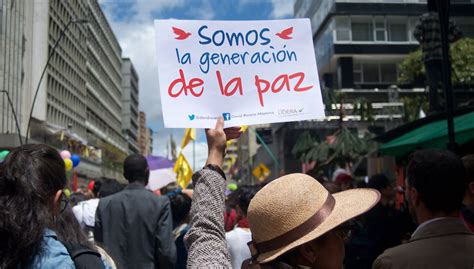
84	253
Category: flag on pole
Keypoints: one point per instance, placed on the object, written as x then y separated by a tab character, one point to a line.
189	134
183	171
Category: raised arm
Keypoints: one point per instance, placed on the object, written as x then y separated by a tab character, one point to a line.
205	239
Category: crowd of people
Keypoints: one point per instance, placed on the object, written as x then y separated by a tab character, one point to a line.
294	221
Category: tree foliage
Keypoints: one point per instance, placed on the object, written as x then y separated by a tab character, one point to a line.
462	64
342	147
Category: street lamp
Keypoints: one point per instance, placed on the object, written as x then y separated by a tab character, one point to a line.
61	35
443	13
14	114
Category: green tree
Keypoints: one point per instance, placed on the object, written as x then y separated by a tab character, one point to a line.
462	63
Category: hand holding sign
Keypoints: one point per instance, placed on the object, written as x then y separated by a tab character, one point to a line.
217	141
251	72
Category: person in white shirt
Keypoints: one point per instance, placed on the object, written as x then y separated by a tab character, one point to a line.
238	238
85	211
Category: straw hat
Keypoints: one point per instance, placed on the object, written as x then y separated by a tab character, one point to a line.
295	209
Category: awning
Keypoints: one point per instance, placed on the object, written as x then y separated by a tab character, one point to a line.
431	135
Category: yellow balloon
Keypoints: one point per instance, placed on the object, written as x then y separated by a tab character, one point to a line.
67	192
68	164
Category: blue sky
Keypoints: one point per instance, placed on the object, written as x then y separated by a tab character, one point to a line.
132	23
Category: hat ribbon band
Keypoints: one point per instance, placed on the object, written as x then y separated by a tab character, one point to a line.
299	231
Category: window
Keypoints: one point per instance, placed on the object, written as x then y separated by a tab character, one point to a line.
362	29
397	29
373	73
380	32
388	72
343	29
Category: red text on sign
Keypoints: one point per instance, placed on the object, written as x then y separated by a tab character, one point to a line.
225	90
281	82
184	87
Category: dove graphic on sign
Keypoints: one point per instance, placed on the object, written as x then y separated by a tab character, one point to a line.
285	34
180	34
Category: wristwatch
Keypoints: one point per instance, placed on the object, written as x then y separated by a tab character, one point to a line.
215	168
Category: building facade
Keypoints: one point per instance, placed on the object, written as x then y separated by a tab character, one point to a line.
145	136
104	81
358	45
79	105
130	105
13	109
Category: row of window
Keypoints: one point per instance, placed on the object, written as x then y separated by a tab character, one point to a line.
100	89
375	73
65	98
109	72
111	39
103	127
105	114
113	59
68	69
60	118
384	28
375	28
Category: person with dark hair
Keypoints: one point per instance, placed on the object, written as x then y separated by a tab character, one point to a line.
467	211
109	186
238	238
435	186
385	224
96	188
32	178
85	211
76	198
134	224
180	206
428	33
85	253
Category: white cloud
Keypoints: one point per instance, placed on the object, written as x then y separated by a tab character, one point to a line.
204	11
282	9
201	154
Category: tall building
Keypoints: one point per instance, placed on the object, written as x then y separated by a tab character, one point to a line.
12	70
130	105
104	84
79	101
145	136
358	45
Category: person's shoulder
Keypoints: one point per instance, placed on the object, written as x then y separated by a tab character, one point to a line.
54	254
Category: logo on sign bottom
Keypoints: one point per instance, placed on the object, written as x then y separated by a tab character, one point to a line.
226	116
191	117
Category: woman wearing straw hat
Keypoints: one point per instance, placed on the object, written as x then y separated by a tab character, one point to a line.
294	220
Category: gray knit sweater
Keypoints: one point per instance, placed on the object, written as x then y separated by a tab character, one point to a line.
205	239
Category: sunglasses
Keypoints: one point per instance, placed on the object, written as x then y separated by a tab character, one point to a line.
63	202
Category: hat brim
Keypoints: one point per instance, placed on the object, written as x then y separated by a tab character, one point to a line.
349	204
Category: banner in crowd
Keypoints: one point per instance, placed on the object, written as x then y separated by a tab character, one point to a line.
250	72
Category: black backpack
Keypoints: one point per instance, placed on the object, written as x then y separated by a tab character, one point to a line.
84	257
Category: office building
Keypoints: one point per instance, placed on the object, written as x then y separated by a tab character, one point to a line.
12	71
130	105
358	45
145	136
79	105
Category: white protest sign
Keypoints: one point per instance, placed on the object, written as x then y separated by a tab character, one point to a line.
250	72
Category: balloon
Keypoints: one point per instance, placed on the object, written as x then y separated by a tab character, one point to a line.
232	187
65	154
75	160
68	164
67	192
3	154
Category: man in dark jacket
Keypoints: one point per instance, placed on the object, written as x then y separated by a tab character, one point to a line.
135	225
